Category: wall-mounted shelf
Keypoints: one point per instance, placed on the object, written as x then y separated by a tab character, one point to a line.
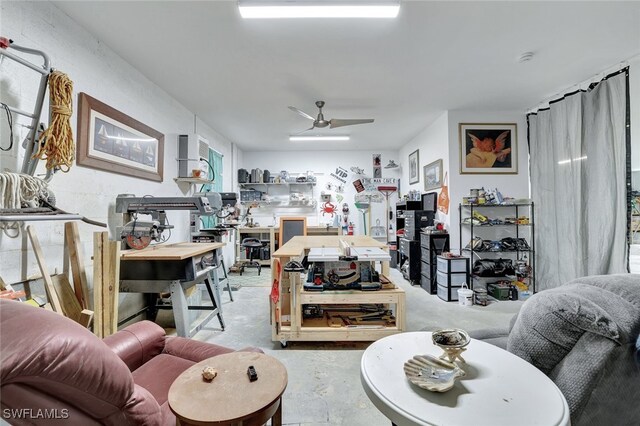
247	184
280	205
193	180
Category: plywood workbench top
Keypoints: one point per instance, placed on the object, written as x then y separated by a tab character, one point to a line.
297	245
176	251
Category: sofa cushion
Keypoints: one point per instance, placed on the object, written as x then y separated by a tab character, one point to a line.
550	324
158	374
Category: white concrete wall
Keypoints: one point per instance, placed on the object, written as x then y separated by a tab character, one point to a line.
441	140
513	185
98	71
432	144
324	163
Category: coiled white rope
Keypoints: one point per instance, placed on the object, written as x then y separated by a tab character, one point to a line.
17	191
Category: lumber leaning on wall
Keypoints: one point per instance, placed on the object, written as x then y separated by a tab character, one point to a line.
106	279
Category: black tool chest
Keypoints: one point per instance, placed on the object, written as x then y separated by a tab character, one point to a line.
410	252
414	221
431	245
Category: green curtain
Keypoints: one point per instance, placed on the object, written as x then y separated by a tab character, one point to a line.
216	161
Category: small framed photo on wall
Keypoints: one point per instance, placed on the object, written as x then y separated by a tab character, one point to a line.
488	148
414	167
433	175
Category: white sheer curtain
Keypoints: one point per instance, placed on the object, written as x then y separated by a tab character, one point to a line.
578	150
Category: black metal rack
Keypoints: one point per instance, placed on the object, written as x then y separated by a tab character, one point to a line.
517	208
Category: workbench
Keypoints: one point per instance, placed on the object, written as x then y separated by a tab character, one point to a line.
270	233
176	268
287	322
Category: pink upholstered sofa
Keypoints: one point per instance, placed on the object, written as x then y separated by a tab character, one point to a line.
54	371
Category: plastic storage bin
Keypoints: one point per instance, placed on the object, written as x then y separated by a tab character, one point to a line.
451	280
448	294
455	264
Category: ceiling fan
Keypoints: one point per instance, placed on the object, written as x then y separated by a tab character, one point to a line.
321	123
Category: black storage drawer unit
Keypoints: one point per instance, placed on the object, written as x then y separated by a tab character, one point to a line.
414	221
451	274
431	246
410	255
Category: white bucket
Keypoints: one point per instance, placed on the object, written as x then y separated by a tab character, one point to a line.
465	296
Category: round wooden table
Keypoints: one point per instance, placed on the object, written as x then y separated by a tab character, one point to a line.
230	399
499	387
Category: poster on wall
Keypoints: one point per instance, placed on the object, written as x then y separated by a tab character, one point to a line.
340	174
488	148
377	165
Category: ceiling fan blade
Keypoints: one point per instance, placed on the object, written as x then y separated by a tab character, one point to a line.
302	113
338	122
306	130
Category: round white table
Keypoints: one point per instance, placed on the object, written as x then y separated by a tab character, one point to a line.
499	388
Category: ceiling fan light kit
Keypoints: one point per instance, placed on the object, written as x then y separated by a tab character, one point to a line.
318	138
254	9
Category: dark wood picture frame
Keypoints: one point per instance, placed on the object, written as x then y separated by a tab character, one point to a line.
134	149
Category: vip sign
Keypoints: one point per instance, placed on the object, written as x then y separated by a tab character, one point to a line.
340	174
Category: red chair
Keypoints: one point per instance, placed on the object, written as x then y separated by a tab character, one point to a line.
50	364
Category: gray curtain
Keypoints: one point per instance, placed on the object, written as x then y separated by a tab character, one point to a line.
578	156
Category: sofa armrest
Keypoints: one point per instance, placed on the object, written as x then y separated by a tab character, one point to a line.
194	350
137	343
496	336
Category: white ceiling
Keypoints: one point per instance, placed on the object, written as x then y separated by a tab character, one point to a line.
239	76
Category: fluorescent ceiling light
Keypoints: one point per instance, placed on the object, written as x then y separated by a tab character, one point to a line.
319	9
318	138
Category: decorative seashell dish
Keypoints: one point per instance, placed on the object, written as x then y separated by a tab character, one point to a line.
431	373
452	341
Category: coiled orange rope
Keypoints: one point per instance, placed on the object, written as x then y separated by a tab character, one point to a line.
58	149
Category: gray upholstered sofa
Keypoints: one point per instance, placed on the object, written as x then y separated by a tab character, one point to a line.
585	336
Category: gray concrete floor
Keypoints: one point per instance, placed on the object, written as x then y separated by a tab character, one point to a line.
324	378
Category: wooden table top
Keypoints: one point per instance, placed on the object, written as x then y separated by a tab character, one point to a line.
230	397
296	245
176	251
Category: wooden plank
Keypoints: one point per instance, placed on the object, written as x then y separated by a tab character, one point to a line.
177	251
86	318
3	286
296	246
48	284
71	307
97	284
111	283
76	258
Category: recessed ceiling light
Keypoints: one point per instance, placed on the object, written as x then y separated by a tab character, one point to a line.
253	9
318	138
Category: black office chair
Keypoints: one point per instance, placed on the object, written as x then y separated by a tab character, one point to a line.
253	247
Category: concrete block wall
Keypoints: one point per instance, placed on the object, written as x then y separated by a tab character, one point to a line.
96	70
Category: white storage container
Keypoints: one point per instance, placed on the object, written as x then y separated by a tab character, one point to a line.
448	294
456	264
451	280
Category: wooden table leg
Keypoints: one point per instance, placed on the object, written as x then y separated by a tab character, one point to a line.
276	420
